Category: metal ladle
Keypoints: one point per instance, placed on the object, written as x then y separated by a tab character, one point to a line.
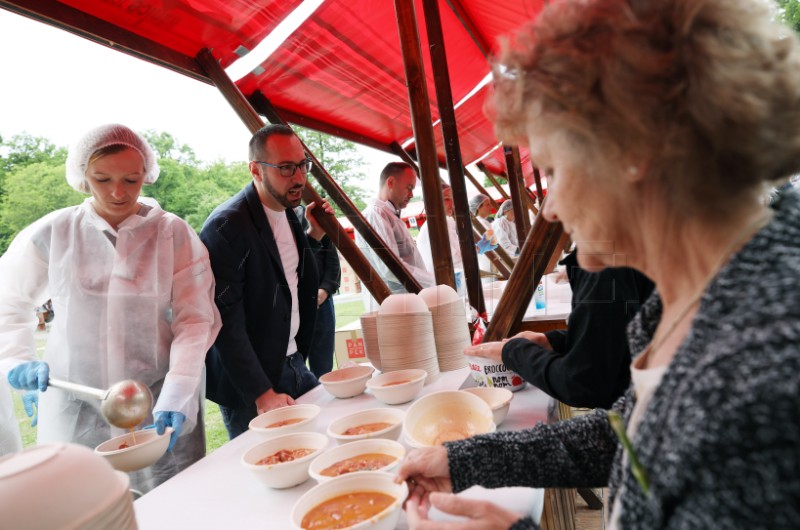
125	404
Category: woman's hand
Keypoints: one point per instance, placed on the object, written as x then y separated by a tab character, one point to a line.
425	471
481	515
489	350
538	338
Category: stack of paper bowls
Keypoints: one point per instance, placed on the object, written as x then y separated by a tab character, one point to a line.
405	335
63	486
449	325
369	330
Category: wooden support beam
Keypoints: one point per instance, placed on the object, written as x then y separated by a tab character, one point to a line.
493	180
356	218
470	27
60	15
516	185
361	266
537	177
404	155
421	122
480	188
452	147
536	252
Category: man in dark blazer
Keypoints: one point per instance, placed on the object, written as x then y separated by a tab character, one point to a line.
266	284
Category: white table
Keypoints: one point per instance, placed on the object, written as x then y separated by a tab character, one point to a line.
218	492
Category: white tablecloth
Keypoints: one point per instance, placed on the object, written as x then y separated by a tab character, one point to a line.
218	492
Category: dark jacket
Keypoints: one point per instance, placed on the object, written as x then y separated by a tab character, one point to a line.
589	365
328	266
254	299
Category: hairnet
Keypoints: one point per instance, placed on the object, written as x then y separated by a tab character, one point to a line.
476	202
506	206
104	136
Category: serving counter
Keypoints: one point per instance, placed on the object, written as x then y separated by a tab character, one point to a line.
218	492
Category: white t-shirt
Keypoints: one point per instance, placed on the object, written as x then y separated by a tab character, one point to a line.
290	259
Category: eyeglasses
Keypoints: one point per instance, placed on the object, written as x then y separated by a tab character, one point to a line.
288	170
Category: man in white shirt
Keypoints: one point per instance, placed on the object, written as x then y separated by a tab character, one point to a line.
396	188
266	284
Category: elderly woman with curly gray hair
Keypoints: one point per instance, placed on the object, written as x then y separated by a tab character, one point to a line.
659	125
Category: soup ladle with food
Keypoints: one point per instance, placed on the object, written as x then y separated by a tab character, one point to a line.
125	404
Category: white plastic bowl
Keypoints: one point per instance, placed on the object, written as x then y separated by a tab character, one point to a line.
393	416
355	482
307	414
350	450
489	373
498	399
385	386
438	295
148	448
347	382
285	474
445	416
402	303
58	486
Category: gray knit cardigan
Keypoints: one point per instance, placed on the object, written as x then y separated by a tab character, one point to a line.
720	440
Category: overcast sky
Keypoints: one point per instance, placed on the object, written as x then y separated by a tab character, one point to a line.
58	85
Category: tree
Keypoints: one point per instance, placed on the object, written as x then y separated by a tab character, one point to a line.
167	146
33	191
789	11
342	161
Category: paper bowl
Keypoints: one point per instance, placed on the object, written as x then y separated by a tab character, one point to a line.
489	373
401	386
394	417
438	295
402	303
347	382
354	449
145	451
352	483
498	399
285	474
445	416
307	414
58	486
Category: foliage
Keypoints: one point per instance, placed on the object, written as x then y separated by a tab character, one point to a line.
789	11
32	192
341	160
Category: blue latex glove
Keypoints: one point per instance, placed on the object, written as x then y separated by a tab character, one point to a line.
484	245
32	375
459	274
169	418
30	400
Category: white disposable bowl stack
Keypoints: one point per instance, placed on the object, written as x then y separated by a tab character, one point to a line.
369	329
63	486
450	330
405	335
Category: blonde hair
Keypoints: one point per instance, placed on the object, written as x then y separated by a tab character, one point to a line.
708	91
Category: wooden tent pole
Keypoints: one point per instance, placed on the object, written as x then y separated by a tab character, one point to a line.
539	247
537	177
423	137
493	180
350	210
452	147
480	188
361	266
516	185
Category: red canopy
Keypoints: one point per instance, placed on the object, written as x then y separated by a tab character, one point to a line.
342	68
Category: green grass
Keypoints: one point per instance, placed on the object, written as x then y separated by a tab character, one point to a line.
216	435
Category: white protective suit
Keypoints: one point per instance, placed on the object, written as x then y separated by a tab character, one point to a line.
424	245
132	303
383	218
506	232
10	441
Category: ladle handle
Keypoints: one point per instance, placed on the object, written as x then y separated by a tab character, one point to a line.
81	389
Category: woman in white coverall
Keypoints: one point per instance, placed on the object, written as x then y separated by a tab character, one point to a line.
133	290
505	229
